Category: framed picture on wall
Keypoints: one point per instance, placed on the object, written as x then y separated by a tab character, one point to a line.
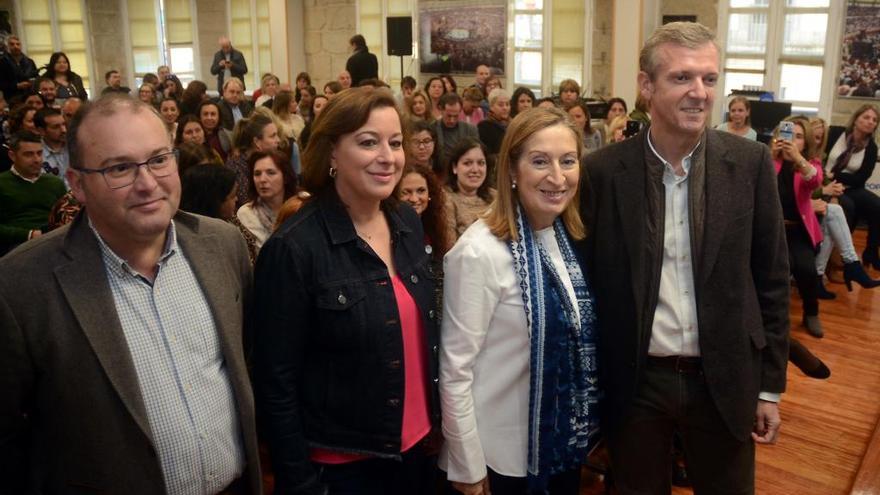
455	40
860	57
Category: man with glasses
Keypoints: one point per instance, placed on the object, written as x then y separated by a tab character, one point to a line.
121	334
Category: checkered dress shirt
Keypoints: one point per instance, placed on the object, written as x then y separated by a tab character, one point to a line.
173	341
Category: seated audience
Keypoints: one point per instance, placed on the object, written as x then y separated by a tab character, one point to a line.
435	88
173	88
738	118
546	103
617	128
269	87
835	232
48	90
271	183
448	129
317	106
449	83
285	108
169	109
491	130
303	80
50	125
468	194
192	154
423	148
471	112
332	88
257	133
407	87
69	109
34	100
146	93
641	113
195	93
216	136
114	83
616	108
523	99
820	134
797	178
417	107
344	79
569	93
580	113
26	194
21	118
850	163
210	190
421	189
69	82
233	105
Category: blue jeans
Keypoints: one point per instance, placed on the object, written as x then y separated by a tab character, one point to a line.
835	232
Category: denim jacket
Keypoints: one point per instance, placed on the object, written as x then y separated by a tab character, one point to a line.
328	359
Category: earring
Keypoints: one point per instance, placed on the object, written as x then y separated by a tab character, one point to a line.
332	172
514	186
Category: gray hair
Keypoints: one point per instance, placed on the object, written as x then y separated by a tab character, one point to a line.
497	93
691	35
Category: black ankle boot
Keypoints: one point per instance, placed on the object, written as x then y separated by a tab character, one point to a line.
853	272
869	257
824	293
808	363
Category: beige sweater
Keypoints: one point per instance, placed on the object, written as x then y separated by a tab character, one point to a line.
462	211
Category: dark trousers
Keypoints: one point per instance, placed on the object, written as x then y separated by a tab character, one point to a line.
639	444
567	483
862	204
415	473
802	261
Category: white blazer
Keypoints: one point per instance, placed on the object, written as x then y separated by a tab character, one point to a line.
484	360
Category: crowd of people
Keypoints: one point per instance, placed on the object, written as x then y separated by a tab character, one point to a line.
462	277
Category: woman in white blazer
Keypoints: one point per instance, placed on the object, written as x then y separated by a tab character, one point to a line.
518	375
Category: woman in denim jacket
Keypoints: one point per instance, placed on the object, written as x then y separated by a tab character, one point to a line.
345	360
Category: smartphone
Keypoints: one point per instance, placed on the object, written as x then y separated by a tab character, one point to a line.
632	128
786	131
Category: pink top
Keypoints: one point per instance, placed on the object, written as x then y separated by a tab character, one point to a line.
803	193
416	420
474	118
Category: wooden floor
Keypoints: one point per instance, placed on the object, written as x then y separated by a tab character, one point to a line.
826	424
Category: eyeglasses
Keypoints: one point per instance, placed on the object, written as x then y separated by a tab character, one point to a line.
124	174
423	143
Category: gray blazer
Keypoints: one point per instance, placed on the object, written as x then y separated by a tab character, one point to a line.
740	272
72	419
239	67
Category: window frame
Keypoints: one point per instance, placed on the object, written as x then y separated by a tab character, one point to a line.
162	46
774	58
255	69
56	39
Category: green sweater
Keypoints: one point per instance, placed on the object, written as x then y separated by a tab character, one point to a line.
25	206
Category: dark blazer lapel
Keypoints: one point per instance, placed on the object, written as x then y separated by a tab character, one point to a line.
84	284
629	196
721	172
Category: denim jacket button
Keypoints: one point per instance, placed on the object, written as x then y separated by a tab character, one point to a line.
431	314
393	402
429	249
341	299
414	278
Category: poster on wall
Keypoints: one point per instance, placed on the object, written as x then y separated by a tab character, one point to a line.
455	40
860	59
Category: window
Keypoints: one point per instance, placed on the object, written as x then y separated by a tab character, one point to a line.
528	45
779	47
161	33
549	44
56	25
249	32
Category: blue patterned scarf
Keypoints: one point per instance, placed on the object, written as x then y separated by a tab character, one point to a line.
563	388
